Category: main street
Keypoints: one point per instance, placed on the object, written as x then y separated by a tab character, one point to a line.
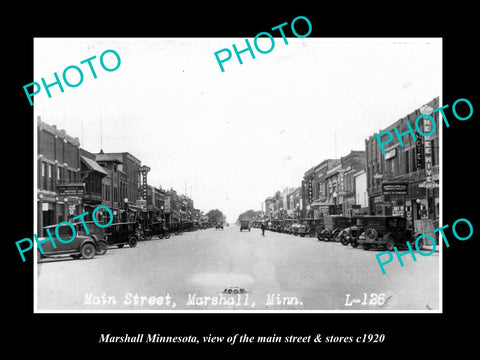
275	272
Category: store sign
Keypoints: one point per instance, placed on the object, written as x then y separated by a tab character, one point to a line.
391	154
70	190
144	170
419	151
428	151
395	188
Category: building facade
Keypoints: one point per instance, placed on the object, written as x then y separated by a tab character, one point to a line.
59	187
361	193
121	186
407	167
318	203
92	175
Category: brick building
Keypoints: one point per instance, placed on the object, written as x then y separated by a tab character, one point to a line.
315	198
59	187
121	186
406	165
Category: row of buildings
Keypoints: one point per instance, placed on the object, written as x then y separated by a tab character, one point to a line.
72	180
404	181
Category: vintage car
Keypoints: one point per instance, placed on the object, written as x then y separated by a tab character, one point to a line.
273	225
385	232
333	225
155	228
244	224
350	234
307	227
294	228
95	232
80	246
289	227
219	226
121	233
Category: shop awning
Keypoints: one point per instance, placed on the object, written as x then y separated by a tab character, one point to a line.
93	165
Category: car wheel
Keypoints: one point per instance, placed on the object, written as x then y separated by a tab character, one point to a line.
120	245
371	234
343	239
148	237
366	247
354	245
390	244
319	237
88	251
167	236
132	242
102	247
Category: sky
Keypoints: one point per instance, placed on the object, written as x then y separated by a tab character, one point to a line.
230	139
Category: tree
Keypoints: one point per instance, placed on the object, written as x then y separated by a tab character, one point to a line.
249	214
215	215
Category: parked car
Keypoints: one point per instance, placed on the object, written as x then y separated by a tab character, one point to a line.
122	233
219	226
80	246
244	224
333	225
95	232
155	228
350	234
385	232
307	227
295	227
288	227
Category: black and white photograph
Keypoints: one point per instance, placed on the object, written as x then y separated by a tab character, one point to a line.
235	178
278	173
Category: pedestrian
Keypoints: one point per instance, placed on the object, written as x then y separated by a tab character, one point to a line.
263	228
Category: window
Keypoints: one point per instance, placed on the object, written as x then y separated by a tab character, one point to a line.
407	162
50	170
414	160
43	168
59	173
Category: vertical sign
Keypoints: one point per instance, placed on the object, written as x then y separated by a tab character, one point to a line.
427	127
144	170
419	151
310	191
